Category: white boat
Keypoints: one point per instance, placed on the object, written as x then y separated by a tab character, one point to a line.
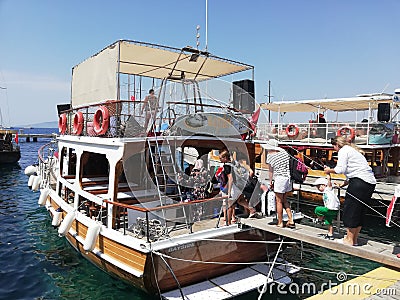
372	125
118	195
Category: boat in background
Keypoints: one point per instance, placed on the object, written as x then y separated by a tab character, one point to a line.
377	134
120	194
9	149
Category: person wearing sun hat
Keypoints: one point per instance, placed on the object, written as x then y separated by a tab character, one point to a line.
279	179
329	211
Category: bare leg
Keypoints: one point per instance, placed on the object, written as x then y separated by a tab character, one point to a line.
287	208
279	208
230	212
243	202
330	230
352	235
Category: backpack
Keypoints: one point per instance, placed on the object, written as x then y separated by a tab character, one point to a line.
221	177
298	170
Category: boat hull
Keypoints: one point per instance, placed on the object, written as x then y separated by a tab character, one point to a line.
193	261
9	157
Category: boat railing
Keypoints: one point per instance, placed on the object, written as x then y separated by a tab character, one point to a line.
127	118
155	223
47	161
361	133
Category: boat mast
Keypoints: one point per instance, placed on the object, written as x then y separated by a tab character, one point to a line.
269	100
1	115
206	46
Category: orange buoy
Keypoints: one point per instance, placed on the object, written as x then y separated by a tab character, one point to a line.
101	120
77	126
292	130
62	123
343	131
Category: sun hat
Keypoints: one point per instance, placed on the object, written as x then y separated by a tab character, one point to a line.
320	181
271	144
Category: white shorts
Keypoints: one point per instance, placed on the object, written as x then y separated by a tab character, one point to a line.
282	184
235	193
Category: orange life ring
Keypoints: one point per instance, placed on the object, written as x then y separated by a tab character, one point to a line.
62	123
290	132
101	120
351	130
77	126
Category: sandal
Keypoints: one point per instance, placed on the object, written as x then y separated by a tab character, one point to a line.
291	225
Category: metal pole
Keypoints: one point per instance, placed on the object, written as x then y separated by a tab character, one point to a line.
206	25
269	100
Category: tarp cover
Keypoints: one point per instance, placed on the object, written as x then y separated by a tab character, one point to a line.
337	104
96	79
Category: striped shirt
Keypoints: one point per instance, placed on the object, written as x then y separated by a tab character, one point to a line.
279	161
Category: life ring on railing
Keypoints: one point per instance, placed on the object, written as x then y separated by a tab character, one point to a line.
101	120
343	128
290	132
77	126
62	123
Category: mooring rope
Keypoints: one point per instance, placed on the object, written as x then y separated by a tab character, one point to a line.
263	290
271	263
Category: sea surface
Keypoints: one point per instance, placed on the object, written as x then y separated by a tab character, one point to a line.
37	264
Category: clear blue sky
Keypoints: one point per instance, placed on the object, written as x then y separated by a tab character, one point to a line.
309	49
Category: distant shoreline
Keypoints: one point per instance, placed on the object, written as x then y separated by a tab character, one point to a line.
53	124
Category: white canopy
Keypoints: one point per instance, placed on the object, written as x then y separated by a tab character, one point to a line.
336	104
96	79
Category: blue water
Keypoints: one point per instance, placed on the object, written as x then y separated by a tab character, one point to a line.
37	264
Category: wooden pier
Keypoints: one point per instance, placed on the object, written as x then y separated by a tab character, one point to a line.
35	136
367	249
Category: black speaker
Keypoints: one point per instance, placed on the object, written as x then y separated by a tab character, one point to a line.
383	112
243	95
63	107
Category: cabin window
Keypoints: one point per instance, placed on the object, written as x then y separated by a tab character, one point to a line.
94	165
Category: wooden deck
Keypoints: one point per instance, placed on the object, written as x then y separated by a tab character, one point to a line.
367	249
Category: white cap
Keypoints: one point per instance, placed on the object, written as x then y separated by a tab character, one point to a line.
320	181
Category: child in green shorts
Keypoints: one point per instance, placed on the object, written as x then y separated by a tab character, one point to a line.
329	211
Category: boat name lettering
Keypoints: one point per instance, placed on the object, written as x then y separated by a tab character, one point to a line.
180	247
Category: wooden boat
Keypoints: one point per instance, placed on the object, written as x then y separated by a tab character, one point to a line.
377	134
9	150
118	196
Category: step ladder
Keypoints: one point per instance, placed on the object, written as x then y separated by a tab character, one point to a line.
166	182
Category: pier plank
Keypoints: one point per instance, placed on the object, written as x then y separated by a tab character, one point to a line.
367	249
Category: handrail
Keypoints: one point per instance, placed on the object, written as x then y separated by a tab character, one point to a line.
41	149
165	206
